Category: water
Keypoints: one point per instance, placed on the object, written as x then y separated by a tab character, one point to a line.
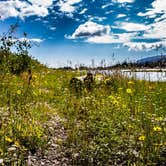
148	74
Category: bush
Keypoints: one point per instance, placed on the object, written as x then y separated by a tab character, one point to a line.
18	61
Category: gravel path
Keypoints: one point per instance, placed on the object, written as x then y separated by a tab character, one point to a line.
55	154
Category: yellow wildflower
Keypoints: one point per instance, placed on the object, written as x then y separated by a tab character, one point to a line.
46	83
124	106
158	118
141	138
1	151
130	126
157	128
35	93
131	83
129	91
17	144
8	139
18	92
34	76
114	100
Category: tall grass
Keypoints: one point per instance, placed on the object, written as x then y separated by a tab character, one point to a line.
117	122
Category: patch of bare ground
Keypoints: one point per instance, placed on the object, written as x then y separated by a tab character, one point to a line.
55	154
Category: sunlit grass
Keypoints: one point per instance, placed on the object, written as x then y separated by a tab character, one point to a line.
118	121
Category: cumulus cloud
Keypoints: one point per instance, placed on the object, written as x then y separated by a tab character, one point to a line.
68	6
92	32
104	39
90	29
139	46
45	3
158	7
17	8
157	30
132	27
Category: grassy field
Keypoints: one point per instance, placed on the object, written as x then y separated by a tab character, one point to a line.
114	122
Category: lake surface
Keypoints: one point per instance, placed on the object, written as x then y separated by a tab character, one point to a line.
147	74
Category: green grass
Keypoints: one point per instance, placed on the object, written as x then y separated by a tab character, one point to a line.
118	122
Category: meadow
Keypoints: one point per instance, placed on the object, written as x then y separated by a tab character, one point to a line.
107	120
117	121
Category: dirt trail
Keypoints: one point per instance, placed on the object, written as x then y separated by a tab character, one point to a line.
55	154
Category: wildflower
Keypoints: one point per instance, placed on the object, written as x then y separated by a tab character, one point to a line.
1	151
141	138
124	106
46	83
35	93
157	129
111	97
16	143
34	76
8	139
130	126
131	83
18	92
107	81
114	99
129	91
159	119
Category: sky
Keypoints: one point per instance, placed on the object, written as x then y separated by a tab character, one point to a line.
77	31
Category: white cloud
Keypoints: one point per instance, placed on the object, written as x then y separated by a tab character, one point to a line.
121	15
96	18
36	40
17	8
157	30
83	11
45	3
124	1
52	28
67	6
142	46
107	5
111	38
90	29
153	37
104	39
158	7
92	32
132	27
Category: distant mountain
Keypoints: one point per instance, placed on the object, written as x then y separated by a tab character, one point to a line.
153	59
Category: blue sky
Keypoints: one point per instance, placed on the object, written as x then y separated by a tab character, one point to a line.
82	30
